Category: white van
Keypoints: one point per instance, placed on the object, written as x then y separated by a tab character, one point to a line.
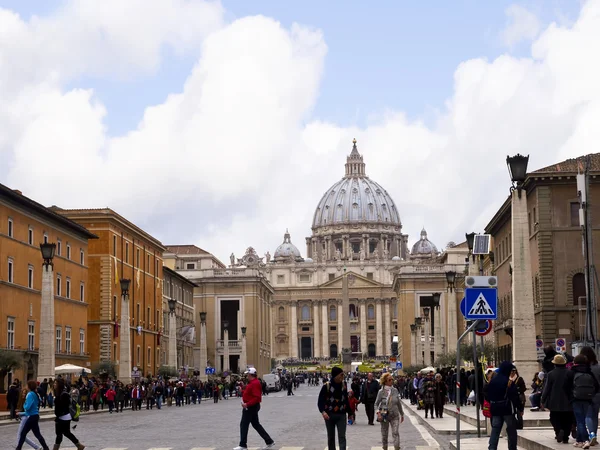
272	381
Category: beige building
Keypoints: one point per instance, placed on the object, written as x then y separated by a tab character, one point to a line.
240	298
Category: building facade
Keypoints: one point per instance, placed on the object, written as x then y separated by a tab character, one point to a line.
557	262
178	288
24	224
123	250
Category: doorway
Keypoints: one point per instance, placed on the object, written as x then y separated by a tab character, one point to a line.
306	347
354	344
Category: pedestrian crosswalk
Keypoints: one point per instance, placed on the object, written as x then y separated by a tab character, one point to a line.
251	448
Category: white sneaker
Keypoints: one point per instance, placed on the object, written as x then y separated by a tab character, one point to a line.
271	445
240	448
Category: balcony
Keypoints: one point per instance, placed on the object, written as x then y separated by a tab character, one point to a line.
305	322
235	347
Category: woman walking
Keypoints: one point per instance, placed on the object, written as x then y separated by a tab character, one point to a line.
389	411
592	416
439	395
32	413
62	425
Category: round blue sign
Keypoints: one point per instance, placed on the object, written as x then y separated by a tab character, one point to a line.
485	329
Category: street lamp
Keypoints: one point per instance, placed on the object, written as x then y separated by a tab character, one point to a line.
172	355
203	357
413	327
437	325
436	299
202	317
172	303
125	335
47	351
426	313
517	169
450	279
244	331
523	314
225	324
243	357
470	240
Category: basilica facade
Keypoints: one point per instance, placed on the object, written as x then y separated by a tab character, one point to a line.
357	230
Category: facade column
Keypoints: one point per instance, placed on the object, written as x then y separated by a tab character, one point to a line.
203	351
523	317
294	331
340	325
125	341
452	338
325	327
363	326
316	330
172	354
387	345
47	352
379	327
225	350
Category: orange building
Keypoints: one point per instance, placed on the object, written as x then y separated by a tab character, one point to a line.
24	224
122	251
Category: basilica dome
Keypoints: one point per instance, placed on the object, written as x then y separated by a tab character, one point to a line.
424	247
355	199
287	251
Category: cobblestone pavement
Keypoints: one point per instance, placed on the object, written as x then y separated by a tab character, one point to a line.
293	422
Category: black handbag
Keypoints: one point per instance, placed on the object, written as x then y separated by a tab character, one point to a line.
519	421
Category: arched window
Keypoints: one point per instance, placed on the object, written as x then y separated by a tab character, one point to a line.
579	289
305	313
332	313
371	312
281	313
353	312
333	351
371	350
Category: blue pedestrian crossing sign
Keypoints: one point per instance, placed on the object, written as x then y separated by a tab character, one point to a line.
398	365
480	303
209	371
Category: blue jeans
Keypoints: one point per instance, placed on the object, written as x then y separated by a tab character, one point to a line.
581	408
511	432
591	419
159	401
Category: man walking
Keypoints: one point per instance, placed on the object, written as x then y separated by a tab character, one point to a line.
251	398
368	397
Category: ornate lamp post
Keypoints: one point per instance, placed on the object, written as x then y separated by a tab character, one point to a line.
427	352
172	361
523	317
225	346
437	328
47	352
243	358
203	351
452	312
125	334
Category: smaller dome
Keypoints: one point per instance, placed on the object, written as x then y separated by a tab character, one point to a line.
424	247
309	260
287	251
396	258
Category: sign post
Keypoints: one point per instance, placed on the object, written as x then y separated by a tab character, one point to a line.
539	347
561	345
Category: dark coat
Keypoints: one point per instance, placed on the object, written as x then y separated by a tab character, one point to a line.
579	368
369	388
499	389
555	396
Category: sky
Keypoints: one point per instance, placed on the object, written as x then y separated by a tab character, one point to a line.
221	124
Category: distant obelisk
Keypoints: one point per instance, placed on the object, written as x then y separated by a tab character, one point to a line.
345	344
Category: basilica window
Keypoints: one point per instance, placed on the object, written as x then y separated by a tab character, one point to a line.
281	313
371	350
371	312
356	247
372	246
353	312
280	279
332	313
304	278
305	313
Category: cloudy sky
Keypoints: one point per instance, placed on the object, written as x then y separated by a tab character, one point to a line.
221	124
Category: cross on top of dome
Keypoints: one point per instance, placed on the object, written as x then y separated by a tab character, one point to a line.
355	167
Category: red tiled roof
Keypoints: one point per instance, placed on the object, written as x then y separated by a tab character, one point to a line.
572	165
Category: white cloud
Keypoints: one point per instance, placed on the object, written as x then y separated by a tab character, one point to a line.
232	158
521	25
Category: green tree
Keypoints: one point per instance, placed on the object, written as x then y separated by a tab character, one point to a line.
167	371
489	351
411	370
446	360
9	361
105	369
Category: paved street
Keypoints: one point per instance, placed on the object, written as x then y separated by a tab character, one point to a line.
293	422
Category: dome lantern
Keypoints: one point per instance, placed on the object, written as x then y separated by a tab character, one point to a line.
355	167
287	251
424	247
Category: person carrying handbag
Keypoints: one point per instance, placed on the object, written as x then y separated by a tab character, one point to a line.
505	406
389	411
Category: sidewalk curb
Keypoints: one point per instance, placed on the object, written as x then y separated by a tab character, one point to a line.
431	428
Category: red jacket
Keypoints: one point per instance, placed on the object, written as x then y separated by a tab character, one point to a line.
110	395
253	393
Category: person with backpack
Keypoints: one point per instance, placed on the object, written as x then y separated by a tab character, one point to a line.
503	397
592	416
556	398
334	406
583	387
428	394
64	414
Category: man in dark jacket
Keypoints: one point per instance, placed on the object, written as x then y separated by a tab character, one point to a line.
555	397
334	406
504	404
368	397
